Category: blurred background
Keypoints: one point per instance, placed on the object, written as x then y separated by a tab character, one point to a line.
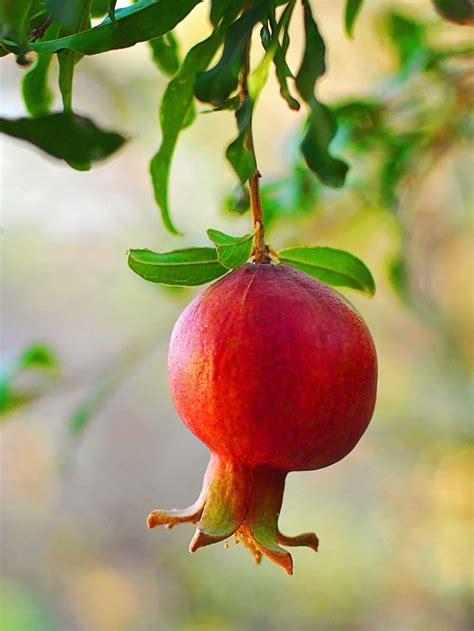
90	442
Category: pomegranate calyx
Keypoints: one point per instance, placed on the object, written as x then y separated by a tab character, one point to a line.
240	501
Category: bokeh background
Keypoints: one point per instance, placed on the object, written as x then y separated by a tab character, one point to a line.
394	517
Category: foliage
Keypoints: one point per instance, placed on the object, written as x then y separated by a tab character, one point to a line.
34	359
64	29
388	137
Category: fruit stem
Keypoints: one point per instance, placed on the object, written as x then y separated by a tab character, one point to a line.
260	253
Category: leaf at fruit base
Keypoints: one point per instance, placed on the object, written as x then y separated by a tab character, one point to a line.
351	12
140	22
176	112
331	266
321	126
186	268
65	135
232	252
217	84
36	357
165	53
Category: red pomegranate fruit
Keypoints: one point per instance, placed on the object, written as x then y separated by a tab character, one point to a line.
275	372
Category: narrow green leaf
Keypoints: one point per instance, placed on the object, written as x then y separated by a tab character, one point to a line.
99	8
15	21
238	153
351	12
282	69
232	252
218	9
65	12
67	60
186	268
65	135
321	126
331	266
408	38
140	22
92	404
399	277
218	83
36	94
36	357
320	130
165	53
313	64
176	112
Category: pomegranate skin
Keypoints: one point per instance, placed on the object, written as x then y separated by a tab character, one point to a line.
271	367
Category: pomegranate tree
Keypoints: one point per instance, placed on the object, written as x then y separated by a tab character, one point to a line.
274	372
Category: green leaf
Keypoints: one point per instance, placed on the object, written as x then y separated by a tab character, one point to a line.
186	268
408	38
36	94
140	22
218	10
65	135
99	8
321	126
176	112
331	266
237	153
218	83
67	59
93	402
15	22
232	252
320	130
313	64
65	12
282	69
351	12
165	53
399	277
36	357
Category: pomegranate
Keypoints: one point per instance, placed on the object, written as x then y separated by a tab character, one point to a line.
275	372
